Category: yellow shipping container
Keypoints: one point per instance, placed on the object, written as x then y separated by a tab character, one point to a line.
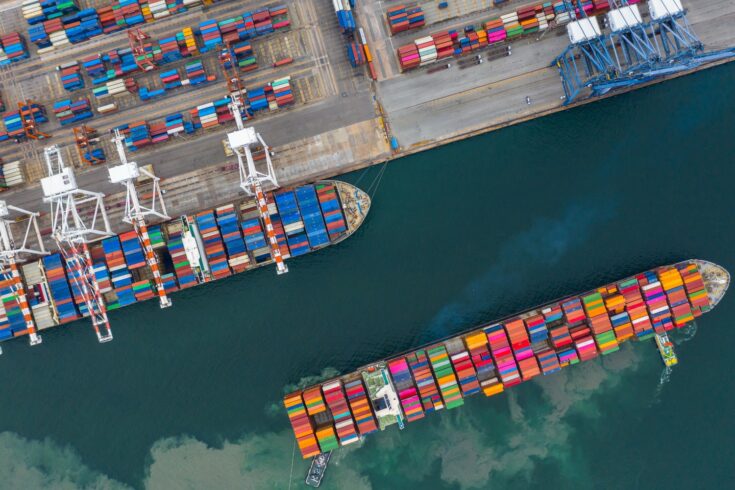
493	390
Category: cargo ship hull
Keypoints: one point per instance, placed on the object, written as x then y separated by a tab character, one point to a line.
190	250
493	357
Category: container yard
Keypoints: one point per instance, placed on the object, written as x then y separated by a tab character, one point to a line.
496	356
186	88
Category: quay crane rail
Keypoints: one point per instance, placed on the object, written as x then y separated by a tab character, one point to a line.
72	230
126	173
10	251
251	180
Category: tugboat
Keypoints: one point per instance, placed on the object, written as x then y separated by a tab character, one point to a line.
316	471
666	349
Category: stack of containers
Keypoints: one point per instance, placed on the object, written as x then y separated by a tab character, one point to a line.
143	290
482	360
465	372
695	289
301	424
421	370
537	331
521	345
94	67
311	213
214	249
636	308
282	91
170	50
500	349
655	298
59	289
70	77
558	330
170	79
211	36
222	110
228	29
355	54
13	125
35	11
526	17
426	49
331	210
600	323
11	174
568	356
190	44
158	9
327	438
68	112
472	41
82	26
495	30
37	35
11	316
255	241
345	18
195	73
263	22
174	124
227	222
257	100
159	134
279	17
335	396
408	57
175	245
207	115
292	224
579	330
122	279
511	24
401	18
445	378
673	285
403	382
615	304
12	49
360	406
137	135
278	227
133	252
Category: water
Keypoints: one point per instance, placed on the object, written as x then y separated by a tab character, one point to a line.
190	397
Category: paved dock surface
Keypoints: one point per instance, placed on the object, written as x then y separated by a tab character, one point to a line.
337	121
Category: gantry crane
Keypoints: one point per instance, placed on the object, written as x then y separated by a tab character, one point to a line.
136	39
126	174
83	137
10	252
251	179
28	120
72	230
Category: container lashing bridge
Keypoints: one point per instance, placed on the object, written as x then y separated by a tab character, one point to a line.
252	180
12	251
127	173
78	218
633	52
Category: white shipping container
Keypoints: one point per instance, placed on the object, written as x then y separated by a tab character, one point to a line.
107	108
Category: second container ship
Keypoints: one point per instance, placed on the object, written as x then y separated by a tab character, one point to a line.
499	355
191	250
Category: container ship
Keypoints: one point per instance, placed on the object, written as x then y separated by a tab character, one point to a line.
191	250
492	357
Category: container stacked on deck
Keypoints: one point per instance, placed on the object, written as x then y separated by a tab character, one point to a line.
466	373
182	267
337	402
316	410
483	362
561	340
655	299
288	210
400	18
360	406
68	112
331	210
12	322
579	330
636	308
70	76
673	285
12	48
277	226
122	279
345	17
407	393
59	288
615	305
445	378
316	231
228	224
695	289
135	259
158	243
214	249
599	322
428	390
255	241
504	360
302	425
521	345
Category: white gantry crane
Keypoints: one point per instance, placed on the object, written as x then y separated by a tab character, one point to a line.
251	179
78	218
10	251
126	173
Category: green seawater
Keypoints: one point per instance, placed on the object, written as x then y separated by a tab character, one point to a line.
189	397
